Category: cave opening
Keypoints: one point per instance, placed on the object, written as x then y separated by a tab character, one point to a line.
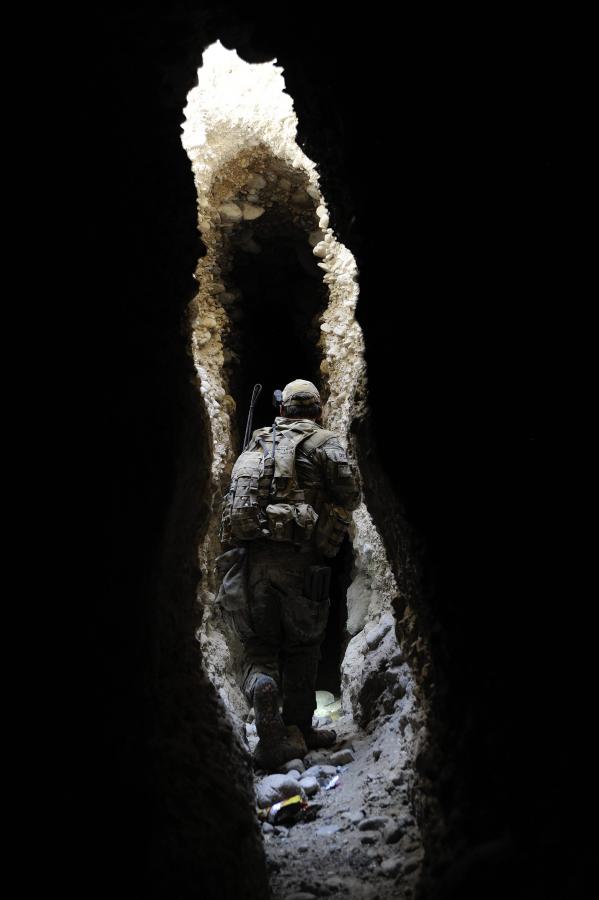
277	293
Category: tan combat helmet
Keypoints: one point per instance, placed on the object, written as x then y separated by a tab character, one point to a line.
303	393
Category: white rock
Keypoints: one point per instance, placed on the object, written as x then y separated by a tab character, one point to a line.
359	596
342	757
250	211
292	764
310	785
276	787
320	250
376	635
231	212
323	222
322	773
321	721
256	182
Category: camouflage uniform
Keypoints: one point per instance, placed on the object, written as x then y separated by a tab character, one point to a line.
281	616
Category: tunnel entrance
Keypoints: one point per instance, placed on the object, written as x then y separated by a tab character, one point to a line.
276	301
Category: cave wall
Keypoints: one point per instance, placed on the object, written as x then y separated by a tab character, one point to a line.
442	222
258	194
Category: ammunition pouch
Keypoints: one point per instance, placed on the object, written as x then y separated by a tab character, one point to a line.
291	522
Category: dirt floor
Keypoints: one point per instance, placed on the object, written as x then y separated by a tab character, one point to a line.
363	841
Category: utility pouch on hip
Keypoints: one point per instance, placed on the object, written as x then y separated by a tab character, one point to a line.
317	582
291	522
281	521
306	518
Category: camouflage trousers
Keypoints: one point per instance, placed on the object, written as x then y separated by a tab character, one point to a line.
283	624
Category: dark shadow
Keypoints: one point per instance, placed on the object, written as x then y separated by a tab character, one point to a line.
336	638
283	297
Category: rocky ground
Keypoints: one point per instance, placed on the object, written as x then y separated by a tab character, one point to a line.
363	842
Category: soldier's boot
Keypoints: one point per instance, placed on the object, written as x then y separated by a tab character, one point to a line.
297	709
299	679
277	743
318	737
269	724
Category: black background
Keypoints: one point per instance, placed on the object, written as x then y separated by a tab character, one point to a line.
442	146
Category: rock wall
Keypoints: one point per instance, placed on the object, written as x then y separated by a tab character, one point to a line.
240	135
165	798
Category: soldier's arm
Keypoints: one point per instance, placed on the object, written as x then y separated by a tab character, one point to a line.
340	475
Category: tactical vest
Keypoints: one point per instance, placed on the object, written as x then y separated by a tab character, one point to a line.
264	499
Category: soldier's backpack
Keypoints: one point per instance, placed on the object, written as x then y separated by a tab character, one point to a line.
264	499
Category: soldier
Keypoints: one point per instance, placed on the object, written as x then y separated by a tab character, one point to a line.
294	513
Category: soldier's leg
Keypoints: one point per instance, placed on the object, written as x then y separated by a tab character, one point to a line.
304	619
258	659
263	642
261	664
300	667
260	680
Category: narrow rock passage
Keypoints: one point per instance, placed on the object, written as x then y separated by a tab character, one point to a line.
364	842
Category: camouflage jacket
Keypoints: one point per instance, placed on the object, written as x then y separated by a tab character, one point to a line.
324	473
